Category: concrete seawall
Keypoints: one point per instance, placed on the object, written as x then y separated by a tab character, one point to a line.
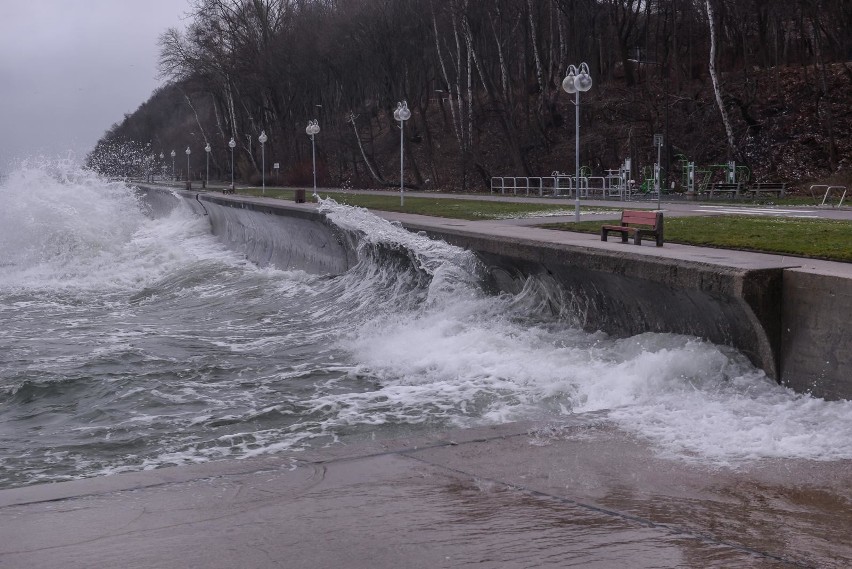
789	319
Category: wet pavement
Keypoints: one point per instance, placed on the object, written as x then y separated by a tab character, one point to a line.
577	493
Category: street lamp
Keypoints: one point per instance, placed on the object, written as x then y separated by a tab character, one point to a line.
231	145
401	114
173	165
207	176
574	82
188	152
162	167
262	138
312	129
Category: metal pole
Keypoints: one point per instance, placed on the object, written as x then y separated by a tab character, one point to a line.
314	157
401	157
207	176
232	168
263	168
577	158
659	176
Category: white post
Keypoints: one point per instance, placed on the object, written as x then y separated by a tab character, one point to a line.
577	158
401	114
262	138
231	144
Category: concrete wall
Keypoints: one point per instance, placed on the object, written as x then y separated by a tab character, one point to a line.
624	294
285	238
816	337
794	324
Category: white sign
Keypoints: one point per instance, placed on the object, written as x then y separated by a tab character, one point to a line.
275	166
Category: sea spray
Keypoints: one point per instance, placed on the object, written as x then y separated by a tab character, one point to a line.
135	343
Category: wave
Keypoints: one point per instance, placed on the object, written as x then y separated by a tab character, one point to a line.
132	342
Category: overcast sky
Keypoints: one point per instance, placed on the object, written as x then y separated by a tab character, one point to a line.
69	69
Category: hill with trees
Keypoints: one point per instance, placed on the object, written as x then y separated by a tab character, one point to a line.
767	83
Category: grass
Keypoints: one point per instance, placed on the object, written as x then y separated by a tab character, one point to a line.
815	238
471	210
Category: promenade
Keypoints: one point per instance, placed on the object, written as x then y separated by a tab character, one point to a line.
574	493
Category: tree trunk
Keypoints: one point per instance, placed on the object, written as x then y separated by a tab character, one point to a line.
717	88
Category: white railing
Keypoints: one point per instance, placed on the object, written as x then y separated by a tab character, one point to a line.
828	192
561	185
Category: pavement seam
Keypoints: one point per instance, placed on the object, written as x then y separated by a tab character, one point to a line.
671	529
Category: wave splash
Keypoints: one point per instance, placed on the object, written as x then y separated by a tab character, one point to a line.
135	343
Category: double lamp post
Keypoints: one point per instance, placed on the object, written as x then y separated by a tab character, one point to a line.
575	81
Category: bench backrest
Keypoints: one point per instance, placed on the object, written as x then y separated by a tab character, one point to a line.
639	217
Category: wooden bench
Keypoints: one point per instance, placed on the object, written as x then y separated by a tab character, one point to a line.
725	188
638	223
769	188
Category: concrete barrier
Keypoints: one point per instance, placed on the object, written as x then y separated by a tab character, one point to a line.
793	323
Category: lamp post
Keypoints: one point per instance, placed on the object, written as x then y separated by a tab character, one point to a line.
173	165
207	174
575	81
262	139
658	183
188	152
312	129
162	167
401	114
231	145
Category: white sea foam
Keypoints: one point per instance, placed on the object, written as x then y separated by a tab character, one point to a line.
201	355
64	227
471	358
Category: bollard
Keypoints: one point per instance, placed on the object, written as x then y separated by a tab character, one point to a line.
300	196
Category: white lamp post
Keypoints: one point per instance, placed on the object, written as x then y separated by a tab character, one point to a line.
401	114
231	145
263	138
173	165
574	82
188	152
207	174
312	129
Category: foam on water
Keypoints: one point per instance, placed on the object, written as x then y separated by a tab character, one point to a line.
131	343
472	357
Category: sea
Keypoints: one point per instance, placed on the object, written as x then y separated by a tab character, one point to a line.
130	342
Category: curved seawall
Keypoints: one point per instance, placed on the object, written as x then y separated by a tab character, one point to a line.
267	235
767	312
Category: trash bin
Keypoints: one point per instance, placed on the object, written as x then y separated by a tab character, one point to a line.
189	184
300	196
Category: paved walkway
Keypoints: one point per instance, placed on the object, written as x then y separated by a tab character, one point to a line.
671	207
575	493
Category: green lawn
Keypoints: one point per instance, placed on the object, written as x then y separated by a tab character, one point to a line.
821	239
816	238
438	207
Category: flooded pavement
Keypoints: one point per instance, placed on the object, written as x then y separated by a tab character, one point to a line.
578	493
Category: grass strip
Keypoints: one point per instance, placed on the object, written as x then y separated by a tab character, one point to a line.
471	210
816	238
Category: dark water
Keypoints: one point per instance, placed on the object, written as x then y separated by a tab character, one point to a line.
130	342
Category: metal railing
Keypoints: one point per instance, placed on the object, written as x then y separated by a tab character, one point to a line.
828	189
561	185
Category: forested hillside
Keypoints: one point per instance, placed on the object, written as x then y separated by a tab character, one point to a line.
768	84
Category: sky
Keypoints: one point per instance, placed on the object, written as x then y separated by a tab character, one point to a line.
70	69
